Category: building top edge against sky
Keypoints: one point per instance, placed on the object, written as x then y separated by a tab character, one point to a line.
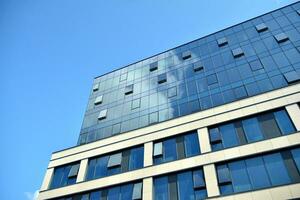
140	63
247	59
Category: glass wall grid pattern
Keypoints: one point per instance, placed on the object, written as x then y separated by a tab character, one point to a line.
175	148
257	172
187	185
64	175
129	191
251	129
115	163
265	64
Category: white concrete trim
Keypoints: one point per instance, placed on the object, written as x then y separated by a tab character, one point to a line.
210	175
47	179
276	98
183	164
294	113
148	152
148	188
82	170
203	137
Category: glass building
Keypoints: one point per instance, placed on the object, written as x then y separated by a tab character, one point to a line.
215	118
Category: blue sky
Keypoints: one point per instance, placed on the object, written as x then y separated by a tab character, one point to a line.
50	51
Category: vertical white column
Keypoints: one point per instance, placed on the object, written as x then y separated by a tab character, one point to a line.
147	188
211	180
294	113
203	137
47	179
82	170
148	151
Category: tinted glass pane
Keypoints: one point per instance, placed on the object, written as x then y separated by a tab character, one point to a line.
274	164
252	129
113	193
101	167
161	188
229	137
198	178
185	186
257	173
191	144
126	192
200	194
284	122
56	180
95	195
296	156
240	179
226	189
136	158
170	150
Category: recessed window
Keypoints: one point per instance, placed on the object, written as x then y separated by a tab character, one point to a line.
261	27
172	92
215	136
256	65
153	66
238	52
73	171
129	89
135	104
222	41
197	67
137	191
98	100
96	87
114	160
123	77
281	37
186	55
198	179
291	77
162	78
102	115
212	79
157	149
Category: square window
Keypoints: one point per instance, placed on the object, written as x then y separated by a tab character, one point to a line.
153	66
198	67
123	77
256	65
114	160
73	171
223	174
240	92
261	27
129	89
198	179
238	52
281	37
291	77
153	118
186	55
157	151
98	100
172	92
222	41
214	135
96	87
102	114
135	104
162	78
137	191
211	79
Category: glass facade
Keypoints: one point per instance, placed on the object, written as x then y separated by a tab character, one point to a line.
176	148
257	172
247	59
131	191
187	185
64	175
251	129
115	163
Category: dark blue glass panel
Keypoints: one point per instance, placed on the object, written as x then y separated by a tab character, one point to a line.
161	188
198	178
275	164
240	179
95	195
169	150
101	167
185	186
136	158
191	144
285	124
229	136
200	194
56	180
113	193
226	189
223	174
126	192
91	169
296	156
252	129
257	173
